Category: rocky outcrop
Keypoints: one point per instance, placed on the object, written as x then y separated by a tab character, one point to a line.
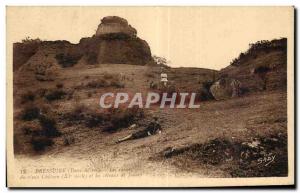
114	25
114	42
226	88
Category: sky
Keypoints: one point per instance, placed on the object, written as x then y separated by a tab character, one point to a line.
204	37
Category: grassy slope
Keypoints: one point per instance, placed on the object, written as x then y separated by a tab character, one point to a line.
260	114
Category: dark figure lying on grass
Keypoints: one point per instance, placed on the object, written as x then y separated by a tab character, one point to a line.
152	129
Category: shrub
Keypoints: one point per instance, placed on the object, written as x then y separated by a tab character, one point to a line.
49	126
204	93
41	92
106	81
94	119
117	83
69	139
150	75
122	118
97	83
27	97
89	94
92	58
31	128
40	143
30	113
59	85
112	120
55	95
67	60
82	114
262	71
244	90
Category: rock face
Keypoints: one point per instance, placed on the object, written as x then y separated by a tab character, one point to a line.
226	88
114	42
113	25
115	49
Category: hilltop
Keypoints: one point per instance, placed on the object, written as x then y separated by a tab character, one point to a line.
115	42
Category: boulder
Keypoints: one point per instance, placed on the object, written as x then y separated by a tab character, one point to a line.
115	42
115	25
226	88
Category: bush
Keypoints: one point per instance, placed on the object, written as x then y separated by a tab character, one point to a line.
94	119
122	118
31	128
262	70
97	83
244	90
59	85
41	92
27	97
117	83
41	130
88	117
89	94
69	139
112	119
40	143
55	95
76	115
67	60
150	75
49	126
204	93
106	81
30	113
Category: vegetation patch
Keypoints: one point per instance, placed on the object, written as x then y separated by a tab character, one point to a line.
108	80
56	94
39	128
27	97
67	60
110	120
259	157
121	118
40	143
30	113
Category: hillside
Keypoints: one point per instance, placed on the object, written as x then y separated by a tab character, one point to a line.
57	86
263	65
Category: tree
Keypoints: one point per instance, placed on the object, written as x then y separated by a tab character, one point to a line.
161	61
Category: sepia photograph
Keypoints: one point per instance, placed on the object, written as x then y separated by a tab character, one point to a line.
150	96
